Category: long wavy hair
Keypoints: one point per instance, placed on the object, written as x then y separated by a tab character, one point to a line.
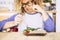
21	9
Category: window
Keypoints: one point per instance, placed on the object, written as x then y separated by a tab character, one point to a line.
7	4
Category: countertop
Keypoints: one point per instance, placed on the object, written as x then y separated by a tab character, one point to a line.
20	36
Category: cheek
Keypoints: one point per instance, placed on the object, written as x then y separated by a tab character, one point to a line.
26	9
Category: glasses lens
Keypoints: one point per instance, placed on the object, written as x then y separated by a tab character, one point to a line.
26	3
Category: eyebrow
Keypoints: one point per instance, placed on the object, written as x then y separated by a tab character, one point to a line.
26	3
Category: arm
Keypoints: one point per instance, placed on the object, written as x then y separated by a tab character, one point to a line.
9	24
49	24
2	23
42	11
48	21
16	21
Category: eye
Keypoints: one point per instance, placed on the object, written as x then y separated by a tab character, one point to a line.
24	5
29	4
35	9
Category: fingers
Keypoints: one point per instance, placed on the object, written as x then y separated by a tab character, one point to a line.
18	19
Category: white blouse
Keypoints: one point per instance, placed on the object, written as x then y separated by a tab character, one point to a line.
31	20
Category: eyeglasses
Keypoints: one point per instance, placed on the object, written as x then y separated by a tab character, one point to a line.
25	3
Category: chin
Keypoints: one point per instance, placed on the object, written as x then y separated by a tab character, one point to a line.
31	12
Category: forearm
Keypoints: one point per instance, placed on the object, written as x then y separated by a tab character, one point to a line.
44	15
9	24
49	25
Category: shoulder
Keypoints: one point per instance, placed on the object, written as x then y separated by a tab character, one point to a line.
19	15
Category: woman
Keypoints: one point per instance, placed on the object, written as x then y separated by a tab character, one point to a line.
34	16
10	24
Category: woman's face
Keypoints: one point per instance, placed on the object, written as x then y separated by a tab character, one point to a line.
27	6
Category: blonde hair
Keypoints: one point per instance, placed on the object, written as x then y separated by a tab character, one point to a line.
21	9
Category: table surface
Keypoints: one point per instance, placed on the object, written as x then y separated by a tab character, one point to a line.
20	36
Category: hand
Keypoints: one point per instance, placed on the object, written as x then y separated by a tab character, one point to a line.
18	19
37	8
42	11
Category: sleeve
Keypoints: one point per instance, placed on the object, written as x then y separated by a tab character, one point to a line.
10	18
2	23
49	24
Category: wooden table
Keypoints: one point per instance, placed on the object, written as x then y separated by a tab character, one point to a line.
20	36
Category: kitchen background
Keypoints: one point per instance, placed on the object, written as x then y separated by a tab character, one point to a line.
11	7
